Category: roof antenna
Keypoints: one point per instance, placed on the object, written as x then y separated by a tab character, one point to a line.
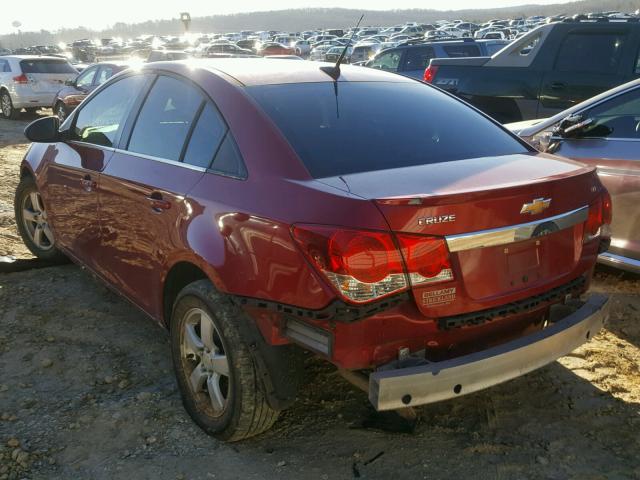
334	71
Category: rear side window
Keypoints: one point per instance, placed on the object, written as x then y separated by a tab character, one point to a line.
101	119
165	119
206	138
229	161
418	58
591	53
46	66
367	126
462	50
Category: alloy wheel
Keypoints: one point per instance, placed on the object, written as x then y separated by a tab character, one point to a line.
5	105
35	221
205	361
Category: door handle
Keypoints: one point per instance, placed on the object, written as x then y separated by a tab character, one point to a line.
558	86
158	204
87	183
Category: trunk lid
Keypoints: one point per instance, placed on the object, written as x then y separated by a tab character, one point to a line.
454	199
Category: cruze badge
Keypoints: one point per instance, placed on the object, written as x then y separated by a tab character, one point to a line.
539	205
437	219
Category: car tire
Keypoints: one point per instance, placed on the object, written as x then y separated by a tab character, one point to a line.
31	219
60	111
6	107
206	341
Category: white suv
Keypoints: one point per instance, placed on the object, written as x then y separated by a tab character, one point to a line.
31	82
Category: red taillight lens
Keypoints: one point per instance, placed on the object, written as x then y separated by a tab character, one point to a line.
430	73
22	79
427	259
362	266
599	216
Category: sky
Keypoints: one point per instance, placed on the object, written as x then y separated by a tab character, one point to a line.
52	15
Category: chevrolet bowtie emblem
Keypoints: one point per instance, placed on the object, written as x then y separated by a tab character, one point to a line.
539	205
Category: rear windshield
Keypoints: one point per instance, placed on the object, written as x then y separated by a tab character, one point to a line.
46	66
462	50
368	126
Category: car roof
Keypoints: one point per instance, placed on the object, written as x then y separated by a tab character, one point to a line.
264	71
34	57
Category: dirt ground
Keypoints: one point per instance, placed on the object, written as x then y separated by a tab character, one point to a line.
87	392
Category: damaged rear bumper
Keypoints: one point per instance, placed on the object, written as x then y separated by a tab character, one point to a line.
393	389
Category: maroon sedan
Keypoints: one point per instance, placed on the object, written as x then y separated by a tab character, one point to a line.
257	206
604	132
76	90
274	48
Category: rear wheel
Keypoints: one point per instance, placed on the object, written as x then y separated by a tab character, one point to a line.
33	224
218	380
6	106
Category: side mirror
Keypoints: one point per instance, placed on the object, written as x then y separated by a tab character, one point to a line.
70	83
43	130
572	126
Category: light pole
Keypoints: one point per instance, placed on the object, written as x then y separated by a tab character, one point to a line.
185	18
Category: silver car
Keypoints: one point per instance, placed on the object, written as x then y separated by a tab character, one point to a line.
31	82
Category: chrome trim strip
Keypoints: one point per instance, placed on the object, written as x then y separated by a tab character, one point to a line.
515	233
618	261
92	145
433	382
162	160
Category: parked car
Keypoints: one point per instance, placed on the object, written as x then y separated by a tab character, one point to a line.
226	48
334	53
423	266
274	48
363	52
550	69
86	82
412	58
167	55
31	82
603	132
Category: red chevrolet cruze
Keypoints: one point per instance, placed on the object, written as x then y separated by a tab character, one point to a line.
252	206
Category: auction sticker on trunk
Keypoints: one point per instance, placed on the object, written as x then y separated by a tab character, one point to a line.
439	297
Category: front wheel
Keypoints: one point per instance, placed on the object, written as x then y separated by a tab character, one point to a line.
216	374
6	107
33	224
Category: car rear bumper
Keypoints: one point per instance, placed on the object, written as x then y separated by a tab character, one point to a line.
32	99
618	261
393	389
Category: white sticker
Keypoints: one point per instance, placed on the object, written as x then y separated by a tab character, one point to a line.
439	297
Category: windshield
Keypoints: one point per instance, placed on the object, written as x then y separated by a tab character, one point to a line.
378	125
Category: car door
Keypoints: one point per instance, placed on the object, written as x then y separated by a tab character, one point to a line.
588	62
72	175
143	187
612	144
416	60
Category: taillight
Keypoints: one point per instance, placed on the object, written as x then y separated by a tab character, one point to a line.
427	259
599	217
22	79
430	73
364	266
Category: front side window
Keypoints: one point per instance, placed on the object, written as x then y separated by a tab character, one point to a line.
591	53
387	61
85	79
367	126
615	118
418	58
105	73
165	119
102	117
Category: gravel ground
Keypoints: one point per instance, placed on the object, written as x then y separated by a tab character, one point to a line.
87	391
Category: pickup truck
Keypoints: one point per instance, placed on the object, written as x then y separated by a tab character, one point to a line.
550	69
